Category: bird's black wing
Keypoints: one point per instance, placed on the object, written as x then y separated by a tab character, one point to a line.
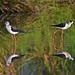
15	58
16	30
59	55
59	25
20	56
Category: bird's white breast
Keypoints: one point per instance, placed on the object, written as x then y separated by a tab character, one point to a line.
8	27
66	26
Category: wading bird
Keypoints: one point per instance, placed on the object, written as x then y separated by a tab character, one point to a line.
64	55
12	30
13	57
62	26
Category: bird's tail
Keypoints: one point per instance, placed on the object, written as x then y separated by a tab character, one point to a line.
22	55
21	31
52	25
55	54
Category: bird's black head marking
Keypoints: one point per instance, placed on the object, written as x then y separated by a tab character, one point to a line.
70	21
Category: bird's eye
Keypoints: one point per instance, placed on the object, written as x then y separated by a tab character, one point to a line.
71	21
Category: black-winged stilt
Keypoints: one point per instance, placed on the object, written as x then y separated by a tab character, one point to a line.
62	26
64	55
12	30
11	58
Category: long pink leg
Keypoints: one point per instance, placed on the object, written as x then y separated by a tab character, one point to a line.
12	36
61	41
14	44
54	45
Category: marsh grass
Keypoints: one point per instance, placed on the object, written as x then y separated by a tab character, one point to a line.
39	44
